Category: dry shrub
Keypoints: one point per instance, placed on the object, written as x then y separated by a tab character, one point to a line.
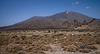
98	40
34	50
64	48
3	39
85	50
45	47
40	52
37	51
93	47
97	52
14	49
23	37
16	37
71	48
21	52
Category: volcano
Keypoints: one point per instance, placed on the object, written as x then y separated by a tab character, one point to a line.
63	20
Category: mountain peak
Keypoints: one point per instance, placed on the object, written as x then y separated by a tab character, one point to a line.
68	11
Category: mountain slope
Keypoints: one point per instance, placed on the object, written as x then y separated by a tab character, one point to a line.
67	19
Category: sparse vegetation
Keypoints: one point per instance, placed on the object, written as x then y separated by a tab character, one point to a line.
26	42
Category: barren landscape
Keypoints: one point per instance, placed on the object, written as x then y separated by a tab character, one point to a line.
54	41
49	26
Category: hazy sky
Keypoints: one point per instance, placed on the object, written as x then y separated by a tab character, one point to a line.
14	11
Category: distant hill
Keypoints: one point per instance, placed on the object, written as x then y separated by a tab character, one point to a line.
64	20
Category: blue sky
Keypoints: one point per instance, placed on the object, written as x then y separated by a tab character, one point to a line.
14	11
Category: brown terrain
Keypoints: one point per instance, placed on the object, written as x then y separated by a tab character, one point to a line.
50	42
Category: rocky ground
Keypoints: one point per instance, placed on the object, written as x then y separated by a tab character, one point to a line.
50	42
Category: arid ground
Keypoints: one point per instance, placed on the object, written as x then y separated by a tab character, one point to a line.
50	42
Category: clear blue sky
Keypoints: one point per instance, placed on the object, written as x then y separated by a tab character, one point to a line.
14	11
